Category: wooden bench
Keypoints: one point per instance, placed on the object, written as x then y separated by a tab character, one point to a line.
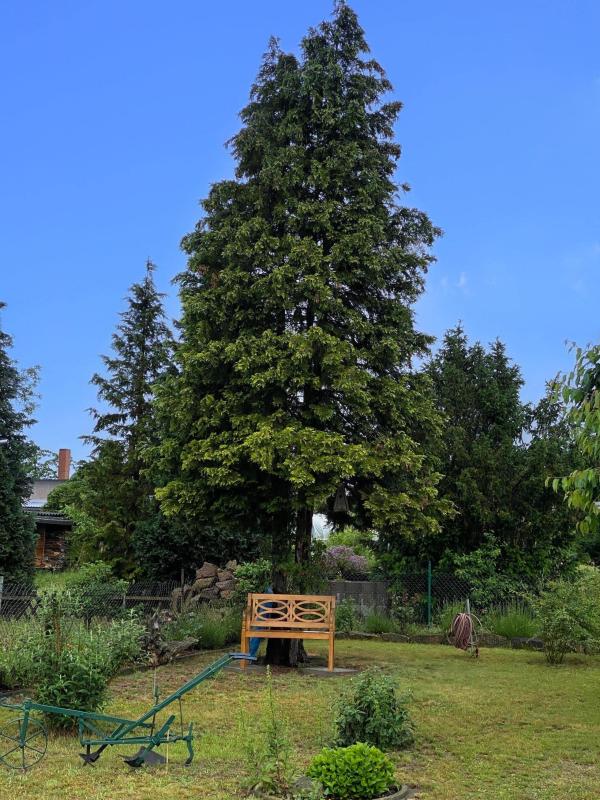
289	616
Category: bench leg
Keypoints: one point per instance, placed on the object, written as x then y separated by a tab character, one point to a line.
331	658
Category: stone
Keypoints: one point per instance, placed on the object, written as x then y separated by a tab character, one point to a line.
209	594
207	570
225	586
175	599
202	583
523	642
224	575
361	635
227	594
231	565
394	637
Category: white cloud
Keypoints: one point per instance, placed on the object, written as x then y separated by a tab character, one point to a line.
462	281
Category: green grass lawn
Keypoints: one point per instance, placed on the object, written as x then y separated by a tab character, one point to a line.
504	726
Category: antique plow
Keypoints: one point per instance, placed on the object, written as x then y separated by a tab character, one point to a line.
24	739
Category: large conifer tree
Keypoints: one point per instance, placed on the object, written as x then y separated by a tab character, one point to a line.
17	531
297	328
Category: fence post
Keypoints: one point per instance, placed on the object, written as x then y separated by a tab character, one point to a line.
429	594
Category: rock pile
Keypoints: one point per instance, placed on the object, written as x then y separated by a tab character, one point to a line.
211	583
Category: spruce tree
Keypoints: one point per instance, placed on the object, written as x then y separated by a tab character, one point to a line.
298	332
118	492
17	530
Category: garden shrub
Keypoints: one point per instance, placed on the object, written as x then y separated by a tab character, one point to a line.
569	615
404	610
74	663
360	541
358	772
346	616
121	639
95	589
341	561
481	570
72	678
370	710
251	577
512	620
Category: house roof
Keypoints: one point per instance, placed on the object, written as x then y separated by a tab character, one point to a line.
49	517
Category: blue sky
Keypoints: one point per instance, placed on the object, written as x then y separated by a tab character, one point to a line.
113	118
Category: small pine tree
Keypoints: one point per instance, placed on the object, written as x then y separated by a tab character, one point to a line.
118	491
17	530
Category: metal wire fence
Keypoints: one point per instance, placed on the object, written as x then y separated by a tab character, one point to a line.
107	601
428	593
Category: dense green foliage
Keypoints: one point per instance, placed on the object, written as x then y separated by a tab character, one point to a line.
568	613
64	661
251	577
358	772
17	534
346	616
496	455
370	710
297	333
581	390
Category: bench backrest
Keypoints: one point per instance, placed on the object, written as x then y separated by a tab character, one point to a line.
302	611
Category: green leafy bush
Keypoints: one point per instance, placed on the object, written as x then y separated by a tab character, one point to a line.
482	571
66	662
72	678
358	772
569	615
121	639
404	610
346	615
92	586
251	577
512	620
378	622
370	710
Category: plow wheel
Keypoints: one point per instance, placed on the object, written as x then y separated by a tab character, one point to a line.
18	752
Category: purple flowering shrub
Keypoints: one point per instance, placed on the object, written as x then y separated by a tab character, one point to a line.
342	561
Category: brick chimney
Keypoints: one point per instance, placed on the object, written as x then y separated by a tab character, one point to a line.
64	464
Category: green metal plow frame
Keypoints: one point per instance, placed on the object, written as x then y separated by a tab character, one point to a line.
23	741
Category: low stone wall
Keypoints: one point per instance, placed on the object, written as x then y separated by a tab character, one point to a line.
483	639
